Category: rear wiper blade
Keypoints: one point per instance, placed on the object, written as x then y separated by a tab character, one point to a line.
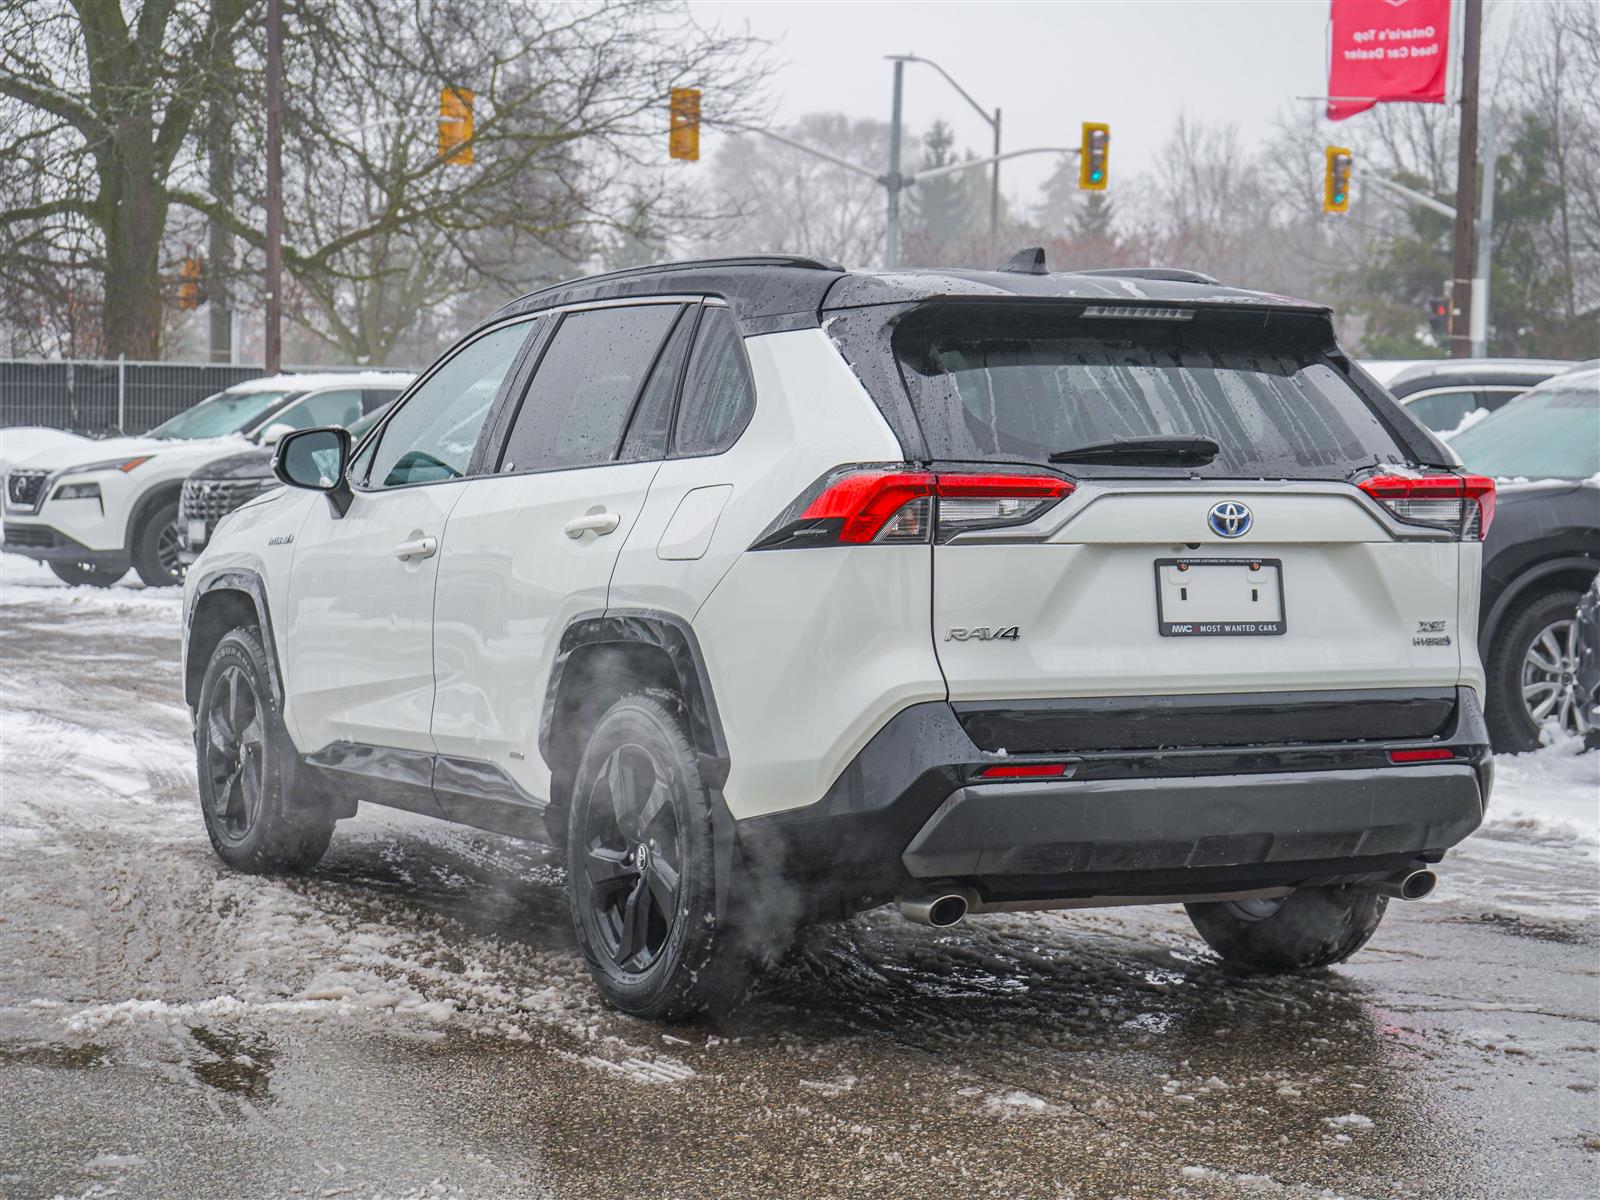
1144	451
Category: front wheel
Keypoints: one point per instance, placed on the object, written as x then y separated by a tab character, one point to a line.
1314	927
245	769
79	574
155	547
641	878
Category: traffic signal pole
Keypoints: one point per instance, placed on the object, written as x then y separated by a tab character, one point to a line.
892	182
1463	320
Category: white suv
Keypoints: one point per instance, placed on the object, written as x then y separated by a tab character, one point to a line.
773	592
92	509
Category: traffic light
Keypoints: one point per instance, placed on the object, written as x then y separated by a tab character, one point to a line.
191	284
1094	157
1336	179
683	141
1439	318
455	125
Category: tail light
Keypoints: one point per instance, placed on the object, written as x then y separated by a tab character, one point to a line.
1462	504
883	505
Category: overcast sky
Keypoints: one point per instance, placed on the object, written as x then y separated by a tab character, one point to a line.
1133	63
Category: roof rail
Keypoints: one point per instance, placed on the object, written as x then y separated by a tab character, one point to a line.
744	260
1166	274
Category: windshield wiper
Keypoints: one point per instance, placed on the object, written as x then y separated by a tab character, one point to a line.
1144	452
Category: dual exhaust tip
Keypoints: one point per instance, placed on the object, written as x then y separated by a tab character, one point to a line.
942	909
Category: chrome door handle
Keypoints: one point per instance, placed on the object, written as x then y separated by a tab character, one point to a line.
600	523
423	547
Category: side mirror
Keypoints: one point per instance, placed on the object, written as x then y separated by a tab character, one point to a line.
272	434
316	459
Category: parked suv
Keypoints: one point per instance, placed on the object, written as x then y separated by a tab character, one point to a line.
772	592
220	486
93	509
1443	393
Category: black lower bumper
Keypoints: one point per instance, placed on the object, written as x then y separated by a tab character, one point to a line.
1129	821
46	543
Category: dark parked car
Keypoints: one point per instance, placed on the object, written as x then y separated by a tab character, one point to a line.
1542	552
223	484
1442	393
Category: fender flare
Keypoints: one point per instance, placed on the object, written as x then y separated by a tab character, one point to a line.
142	507
1518	589
659	630
235	579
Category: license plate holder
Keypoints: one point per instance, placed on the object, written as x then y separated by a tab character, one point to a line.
1220	597
197	534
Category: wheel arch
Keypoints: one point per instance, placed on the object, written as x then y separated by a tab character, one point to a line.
1576	572
603	656
224	600
147	504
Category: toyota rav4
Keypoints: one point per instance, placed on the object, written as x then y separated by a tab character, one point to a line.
771	592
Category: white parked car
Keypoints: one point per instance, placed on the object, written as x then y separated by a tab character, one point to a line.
91	509
773	592
23	441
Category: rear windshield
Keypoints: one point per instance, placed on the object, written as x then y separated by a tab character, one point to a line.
986	386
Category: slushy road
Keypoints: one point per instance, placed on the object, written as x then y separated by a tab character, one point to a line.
413	1018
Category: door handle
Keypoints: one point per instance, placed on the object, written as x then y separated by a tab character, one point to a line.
600	523
423	547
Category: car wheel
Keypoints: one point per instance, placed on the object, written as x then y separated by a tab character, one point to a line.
640	869
245	766
79	574
155	547
1532	674
1313	927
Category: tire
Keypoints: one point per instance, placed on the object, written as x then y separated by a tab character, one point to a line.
1314	927
1512	726
245	764
641	879
155	546
79	574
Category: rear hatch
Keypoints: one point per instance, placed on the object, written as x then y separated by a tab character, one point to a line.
1225	511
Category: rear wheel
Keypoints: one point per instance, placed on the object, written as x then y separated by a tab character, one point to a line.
1314	927
245	768
641	877
155	547
1532	675
79	574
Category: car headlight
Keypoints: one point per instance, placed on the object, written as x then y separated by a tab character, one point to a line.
115	464
78	491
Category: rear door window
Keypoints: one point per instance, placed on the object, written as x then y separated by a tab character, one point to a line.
577	407
987	385
718	395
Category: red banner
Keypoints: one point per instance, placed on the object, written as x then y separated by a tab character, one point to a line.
1387	50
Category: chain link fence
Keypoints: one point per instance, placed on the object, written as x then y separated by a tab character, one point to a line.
98	397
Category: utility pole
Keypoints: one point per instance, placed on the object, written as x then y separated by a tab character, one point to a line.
892	182
273	345
1461	314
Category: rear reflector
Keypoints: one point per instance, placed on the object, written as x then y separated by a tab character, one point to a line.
1461	504
887	506
1411	756
1025	771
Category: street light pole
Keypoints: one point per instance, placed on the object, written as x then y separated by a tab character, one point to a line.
272	349
892	182
994	124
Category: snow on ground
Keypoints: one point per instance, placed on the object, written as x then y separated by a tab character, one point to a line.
1556	789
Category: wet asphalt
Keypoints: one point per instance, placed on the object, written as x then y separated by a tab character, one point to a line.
413	1019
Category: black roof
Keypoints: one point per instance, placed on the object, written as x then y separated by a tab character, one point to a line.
775	292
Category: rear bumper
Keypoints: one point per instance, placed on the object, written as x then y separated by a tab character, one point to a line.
1132	821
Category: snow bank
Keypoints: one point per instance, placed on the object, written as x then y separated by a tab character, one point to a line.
1555	789
23	581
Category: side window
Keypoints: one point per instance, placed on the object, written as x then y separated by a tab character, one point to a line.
432	435
718	395
1443	411
652	416
584	390
376	398
321	408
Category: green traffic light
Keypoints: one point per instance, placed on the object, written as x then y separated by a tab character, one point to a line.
1097	176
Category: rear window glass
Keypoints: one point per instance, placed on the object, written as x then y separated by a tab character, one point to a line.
1552	433
988	386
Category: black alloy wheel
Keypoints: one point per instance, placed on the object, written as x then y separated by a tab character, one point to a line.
235	756
633	858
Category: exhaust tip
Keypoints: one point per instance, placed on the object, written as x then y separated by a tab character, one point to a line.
1418	884
940	910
